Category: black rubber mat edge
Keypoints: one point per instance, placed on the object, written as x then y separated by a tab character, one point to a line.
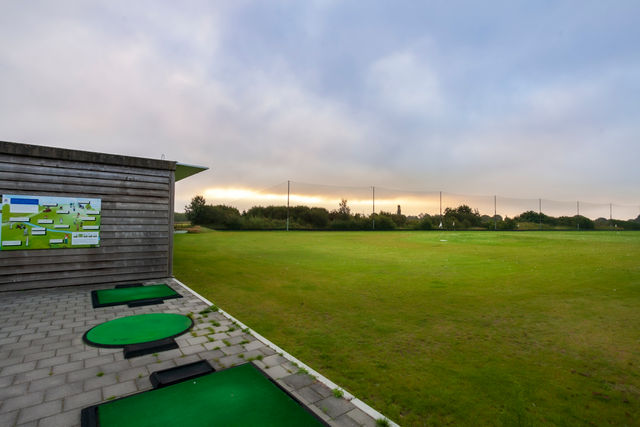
128	285
135	350
143	302
180	373
89	416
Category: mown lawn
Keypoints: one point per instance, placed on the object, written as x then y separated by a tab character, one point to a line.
432	328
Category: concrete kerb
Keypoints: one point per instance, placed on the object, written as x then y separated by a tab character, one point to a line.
326	381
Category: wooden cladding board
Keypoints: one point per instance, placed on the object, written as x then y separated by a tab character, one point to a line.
136	231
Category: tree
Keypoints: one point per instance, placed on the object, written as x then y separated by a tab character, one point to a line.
463	217
343	209
195	209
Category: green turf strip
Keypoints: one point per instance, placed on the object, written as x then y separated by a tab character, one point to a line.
124	295
138	329
239	396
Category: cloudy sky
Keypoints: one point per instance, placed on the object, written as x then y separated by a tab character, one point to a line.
520	99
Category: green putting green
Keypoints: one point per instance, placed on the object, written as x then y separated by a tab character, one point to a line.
108	297
239	396
137	329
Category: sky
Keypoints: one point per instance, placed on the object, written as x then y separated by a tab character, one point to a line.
518	99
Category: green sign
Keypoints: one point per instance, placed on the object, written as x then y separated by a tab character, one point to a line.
48	222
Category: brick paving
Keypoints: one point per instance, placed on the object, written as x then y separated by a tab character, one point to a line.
48	374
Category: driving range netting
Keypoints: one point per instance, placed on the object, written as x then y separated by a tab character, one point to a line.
109	297
137	329
238	396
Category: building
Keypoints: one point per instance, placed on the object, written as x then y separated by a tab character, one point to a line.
128	238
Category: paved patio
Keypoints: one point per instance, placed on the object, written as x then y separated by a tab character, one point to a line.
48	374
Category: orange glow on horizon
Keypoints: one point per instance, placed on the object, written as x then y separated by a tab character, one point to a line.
247	197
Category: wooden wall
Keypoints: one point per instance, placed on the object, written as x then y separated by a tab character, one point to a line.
136	233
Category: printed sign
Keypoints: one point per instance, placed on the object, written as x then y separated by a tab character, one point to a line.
47	222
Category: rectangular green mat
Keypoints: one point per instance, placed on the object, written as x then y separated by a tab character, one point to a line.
119	296
238	396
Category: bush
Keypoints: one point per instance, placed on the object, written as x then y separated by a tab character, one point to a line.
423	223
384	222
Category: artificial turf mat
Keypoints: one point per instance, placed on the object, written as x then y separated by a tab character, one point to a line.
137	329
118	296
239	396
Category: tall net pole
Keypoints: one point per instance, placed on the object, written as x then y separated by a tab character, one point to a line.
610	215
288	194
495	212
540	212
373	207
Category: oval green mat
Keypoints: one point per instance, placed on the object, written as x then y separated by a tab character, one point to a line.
138	329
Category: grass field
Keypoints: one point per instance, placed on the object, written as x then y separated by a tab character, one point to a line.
432	328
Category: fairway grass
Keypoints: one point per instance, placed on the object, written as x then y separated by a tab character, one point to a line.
432	328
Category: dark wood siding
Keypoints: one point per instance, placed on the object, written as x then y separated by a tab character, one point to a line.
136	233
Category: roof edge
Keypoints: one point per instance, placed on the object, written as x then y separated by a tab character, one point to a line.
20	149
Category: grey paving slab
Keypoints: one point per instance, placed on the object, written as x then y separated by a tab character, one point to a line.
37	356
143	360
82	355
83	374
273	360
192	349
321	389
133	373
51	361
64	390
46	383
67	367
361	418
9	418
334	406
42	410
310	395
115	367
344	421
183	360
197	340
67	419
253	345
234	349
232	360
98	360
214	344
17	368
298	380
267	351
98	382
11	391
119	389
277	372
160	365
28	349
211	354
83	399
32	375
21	401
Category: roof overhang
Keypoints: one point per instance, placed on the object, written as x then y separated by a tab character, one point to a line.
184	171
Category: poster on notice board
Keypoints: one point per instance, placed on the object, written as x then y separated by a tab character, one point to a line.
49	222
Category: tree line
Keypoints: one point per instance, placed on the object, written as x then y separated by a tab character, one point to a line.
198	212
